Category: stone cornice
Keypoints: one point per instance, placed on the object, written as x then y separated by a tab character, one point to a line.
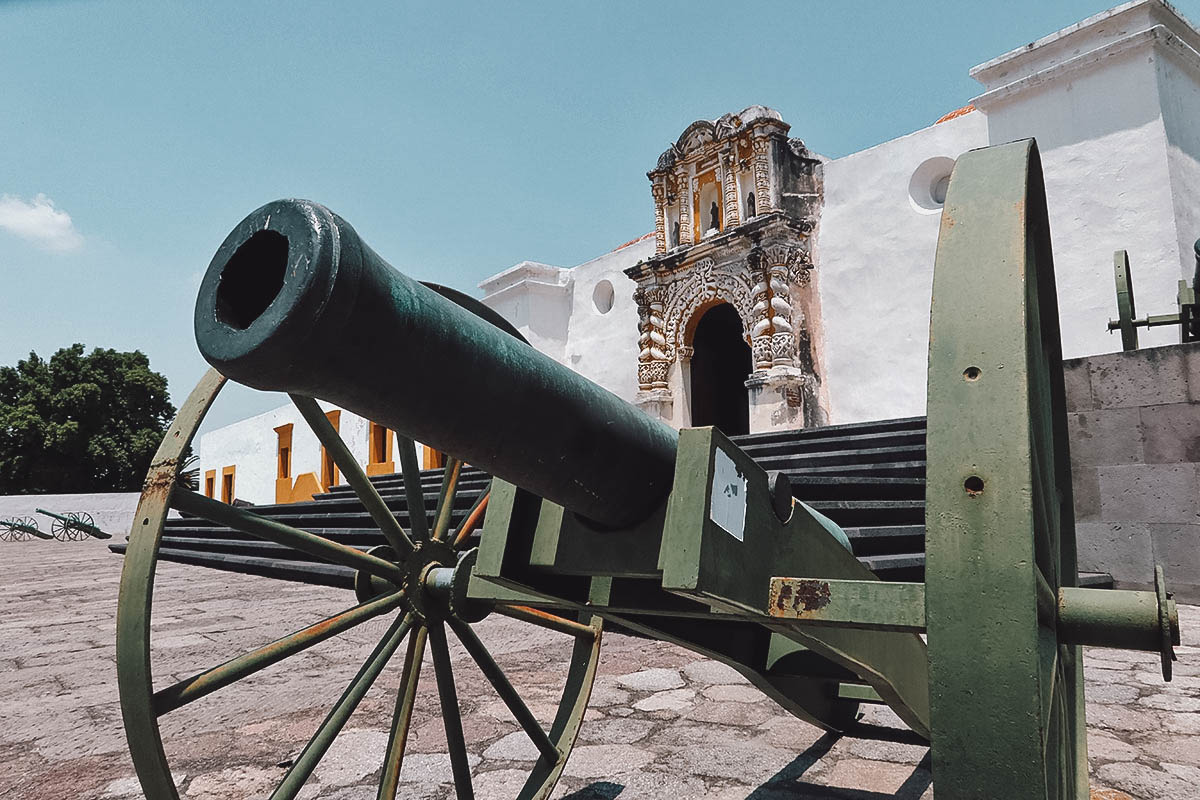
531	272
1158	35
1086	35
754	232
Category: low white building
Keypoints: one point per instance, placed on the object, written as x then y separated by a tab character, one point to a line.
782	289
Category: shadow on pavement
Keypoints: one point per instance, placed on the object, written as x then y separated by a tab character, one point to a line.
787	784
600	790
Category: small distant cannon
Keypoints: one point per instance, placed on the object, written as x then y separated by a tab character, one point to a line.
598	515
74	526
20	529
1127	322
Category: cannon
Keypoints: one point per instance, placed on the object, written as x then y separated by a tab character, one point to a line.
1187	317
597	515
73	526
20	529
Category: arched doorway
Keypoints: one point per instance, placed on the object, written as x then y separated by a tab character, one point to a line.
720	365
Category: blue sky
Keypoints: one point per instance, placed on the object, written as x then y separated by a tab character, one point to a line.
457	138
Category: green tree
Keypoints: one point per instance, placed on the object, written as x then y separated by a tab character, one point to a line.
80	423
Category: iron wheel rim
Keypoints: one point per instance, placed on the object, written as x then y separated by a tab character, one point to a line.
134	634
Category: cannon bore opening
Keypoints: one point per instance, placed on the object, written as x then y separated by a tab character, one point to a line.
252	279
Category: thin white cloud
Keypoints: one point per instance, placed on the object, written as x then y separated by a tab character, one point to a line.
39	222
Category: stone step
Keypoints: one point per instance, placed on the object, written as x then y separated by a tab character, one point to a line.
309	572
809	487
913	439
828	431
870	513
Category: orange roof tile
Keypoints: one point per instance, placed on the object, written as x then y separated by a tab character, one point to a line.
633	241
958	112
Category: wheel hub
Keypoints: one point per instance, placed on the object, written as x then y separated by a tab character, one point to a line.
435	583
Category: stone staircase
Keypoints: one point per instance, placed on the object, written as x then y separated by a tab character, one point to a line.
867	477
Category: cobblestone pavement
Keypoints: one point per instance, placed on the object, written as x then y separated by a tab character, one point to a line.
663	723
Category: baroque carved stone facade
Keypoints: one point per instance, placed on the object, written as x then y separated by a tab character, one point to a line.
736	202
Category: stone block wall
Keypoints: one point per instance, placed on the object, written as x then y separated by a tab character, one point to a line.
1134	421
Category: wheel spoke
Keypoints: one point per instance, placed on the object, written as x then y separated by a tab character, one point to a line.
450	713
358	480
491	670
445	504
311	755
545	619
413	493
405	700
204	683
273	531
474	517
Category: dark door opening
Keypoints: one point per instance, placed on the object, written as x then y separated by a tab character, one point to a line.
720	365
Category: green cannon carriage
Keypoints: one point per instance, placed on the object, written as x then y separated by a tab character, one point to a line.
20	529
597	515
1186	318
73	526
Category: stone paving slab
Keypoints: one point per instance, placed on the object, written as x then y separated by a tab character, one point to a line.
663	723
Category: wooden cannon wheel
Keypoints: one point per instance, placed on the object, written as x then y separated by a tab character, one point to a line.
1006	693
418	579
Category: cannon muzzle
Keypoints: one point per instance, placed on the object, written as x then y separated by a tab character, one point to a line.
295	301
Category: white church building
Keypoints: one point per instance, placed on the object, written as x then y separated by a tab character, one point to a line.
781	289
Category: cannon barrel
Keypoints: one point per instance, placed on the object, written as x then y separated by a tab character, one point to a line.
295	301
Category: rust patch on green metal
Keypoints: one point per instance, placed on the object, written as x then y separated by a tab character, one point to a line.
793	598
161	477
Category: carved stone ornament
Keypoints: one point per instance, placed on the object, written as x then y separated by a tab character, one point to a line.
762	179
653	374
776	269
700	286
653	360
660	221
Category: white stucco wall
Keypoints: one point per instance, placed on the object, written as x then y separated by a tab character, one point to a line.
1179	89
603	346
555	309
874	254
1097	118
112	512
536	298
1114	104
251	445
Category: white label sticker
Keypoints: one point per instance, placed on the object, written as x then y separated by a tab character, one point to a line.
727	507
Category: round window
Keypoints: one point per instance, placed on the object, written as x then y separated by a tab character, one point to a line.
602	296
939	190
928	185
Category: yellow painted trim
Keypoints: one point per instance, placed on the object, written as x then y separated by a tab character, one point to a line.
377	463
229	487
283	468
306	486
210	483
329	470
432	459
